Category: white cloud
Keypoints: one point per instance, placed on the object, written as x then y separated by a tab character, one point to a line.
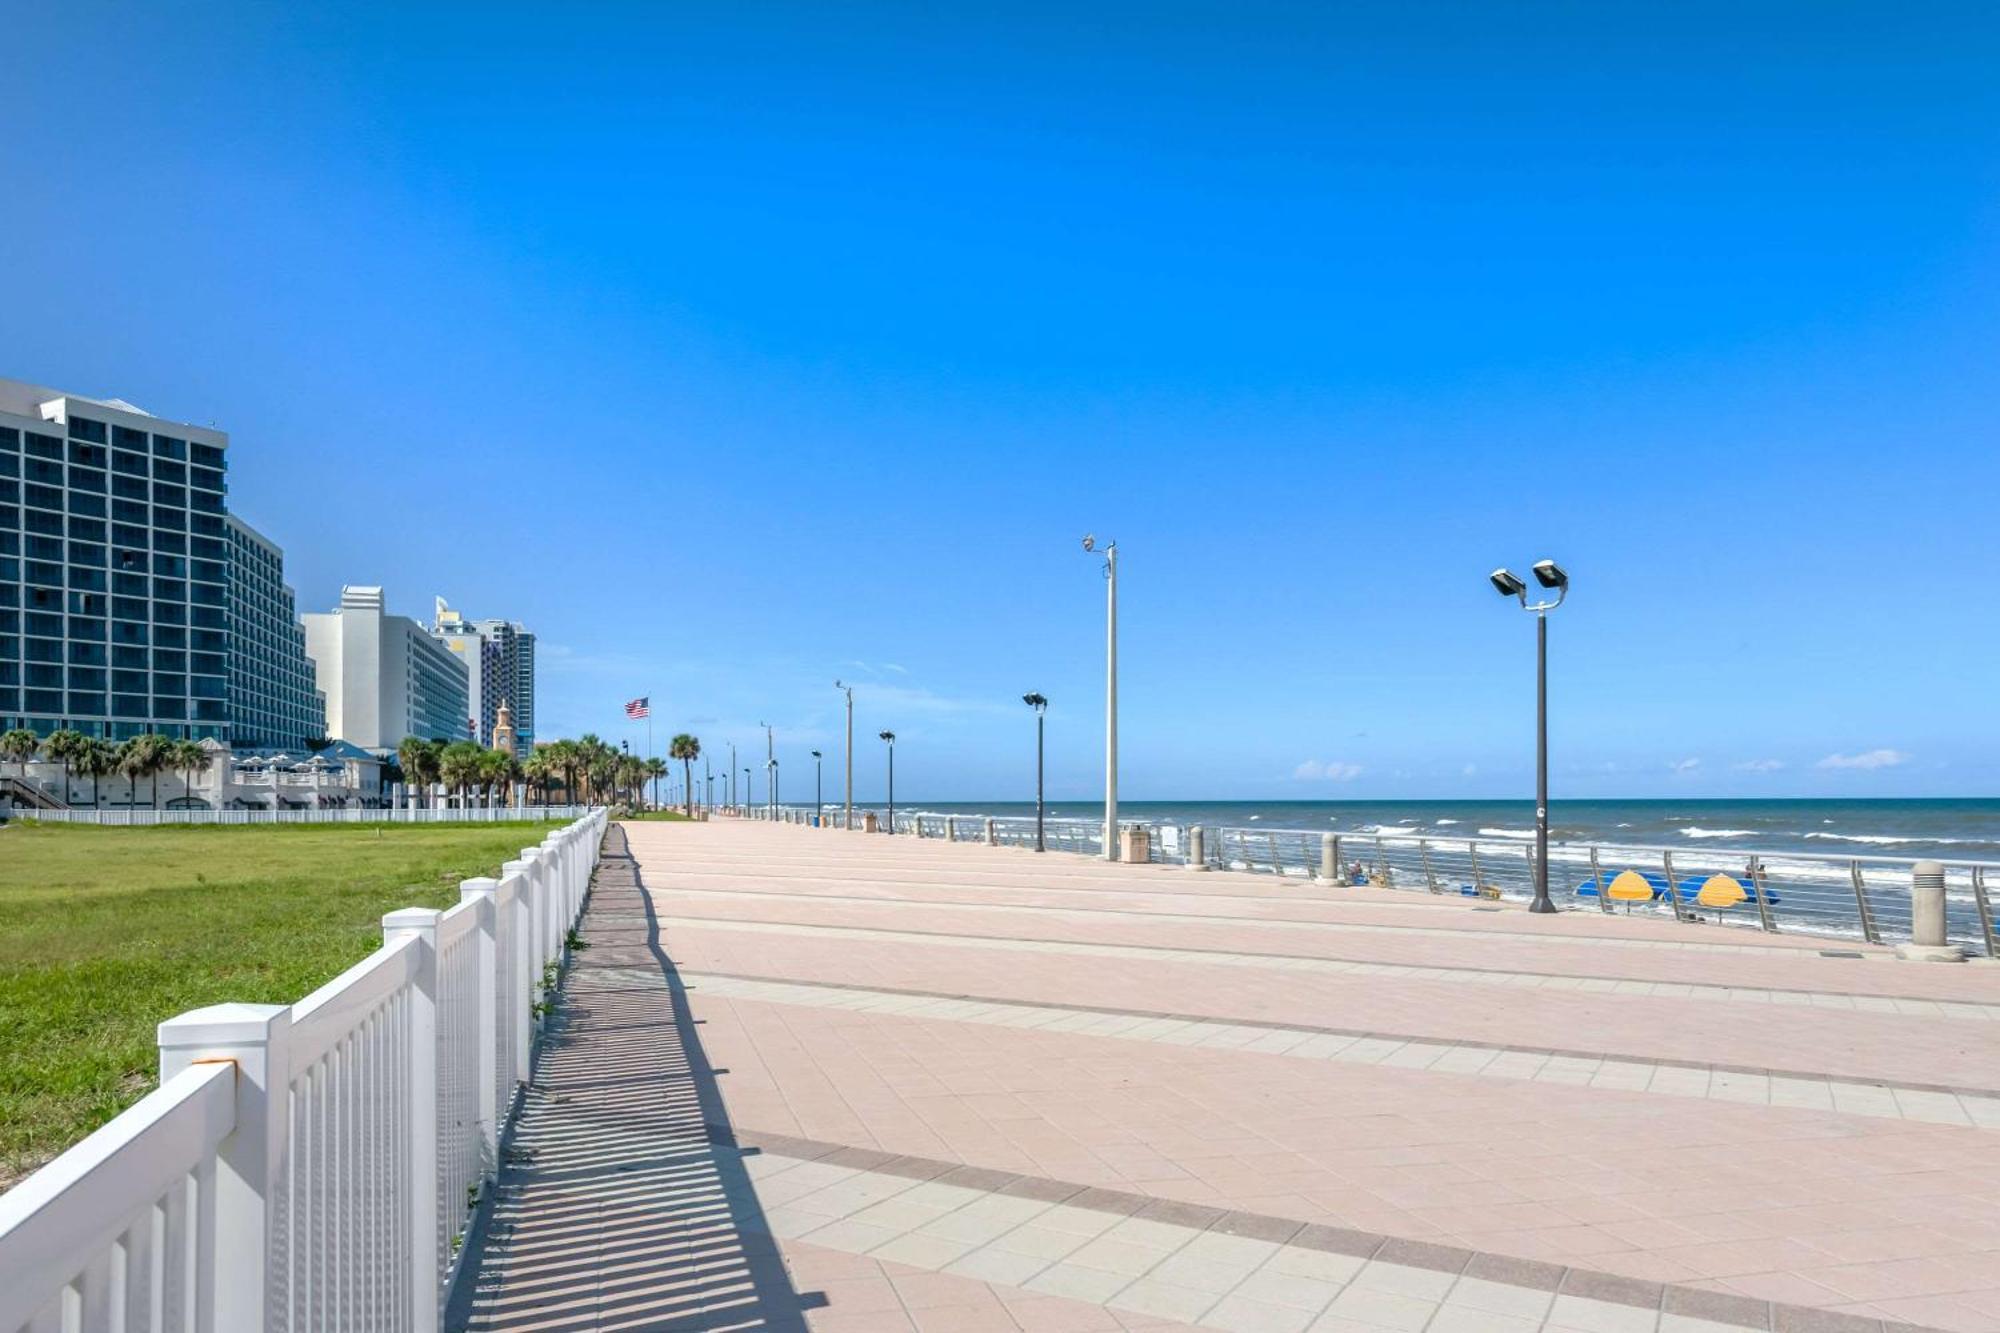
1866	759
1685	765
1333	770
1759	765
1470	770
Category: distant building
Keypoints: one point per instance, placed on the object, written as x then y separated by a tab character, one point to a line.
499	658
384	676
274	696
114	601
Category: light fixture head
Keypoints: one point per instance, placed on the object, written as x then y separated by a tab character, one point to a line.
889	736
1035	701
1506	584
816	754
1089	542
1550	574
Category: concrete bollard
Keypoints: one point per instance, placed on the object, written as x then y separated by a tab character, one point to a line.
1927	924
1329	857
870	824
1197	849
992	834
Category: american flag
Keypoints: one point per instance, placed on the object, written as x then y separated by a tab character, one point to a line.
642	707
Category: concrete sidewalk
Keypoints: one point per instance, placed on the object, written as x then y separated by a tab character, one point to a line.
996	1089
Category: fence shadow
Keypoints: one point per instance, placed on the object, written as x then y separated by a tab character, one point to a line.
622	1201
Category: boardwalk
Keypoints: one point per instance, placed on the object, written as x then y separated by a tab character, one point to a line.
821	1080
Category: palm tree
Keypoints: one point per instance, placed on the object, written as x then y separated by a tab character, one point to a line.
563	759
496	773
144	757
64	746
592	756
687	749
96	759
20	745
186	758
419	760
459	767
602	771
538	768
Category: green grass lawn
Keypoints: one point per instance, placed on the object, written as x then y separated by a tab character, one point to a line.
104	932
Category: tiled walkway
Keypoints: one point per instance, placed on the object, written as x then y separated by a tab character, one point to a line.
889	1084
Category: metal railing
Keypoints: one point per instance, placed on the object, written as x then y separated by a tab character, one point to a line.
1859	898
317	1165
497	814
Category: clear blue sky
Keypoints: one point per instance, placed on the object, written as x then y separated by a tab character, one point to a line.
738	347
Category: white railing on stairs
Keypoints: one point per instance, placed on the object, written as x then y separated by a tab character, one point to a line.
312	1166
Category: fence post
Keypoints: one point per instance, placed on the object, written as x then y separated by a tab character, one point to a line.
1329	857
421	923
486	998
1197	849
515	898
532	890
252	1163
992	833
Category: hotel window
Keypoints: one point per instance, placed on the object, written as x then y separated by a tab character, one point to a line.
82	428
165	446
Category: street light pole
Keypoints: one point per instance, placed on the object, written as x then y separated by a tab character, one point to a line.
819	803
847	820
732	776
1041	706
1110	695
890	737
748	791
770	770
1550	575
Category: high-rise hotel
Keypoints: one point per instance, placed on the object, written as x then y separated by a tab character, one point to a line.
114	568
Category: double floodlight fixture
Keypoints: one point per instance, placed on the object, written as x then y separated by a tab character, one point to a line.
1035	701
888	736
814	753
1547	573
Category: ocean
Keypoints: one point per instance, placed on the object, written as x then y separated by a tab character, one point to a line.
1946	828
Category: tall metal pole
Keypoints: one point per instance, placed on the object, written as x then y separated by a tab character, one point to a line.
819	803
1041	841
732	776
748	790
1542	902
1111	704
892	786
848	819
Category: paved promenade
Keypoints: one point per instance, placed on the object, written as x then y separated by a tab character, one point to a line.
812	1079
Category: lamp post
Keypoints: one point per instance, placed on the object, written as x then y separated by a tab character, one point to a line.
731	784
890	737
747	793
1550	575
847	820
819	804
1041	707
770	770
1110	695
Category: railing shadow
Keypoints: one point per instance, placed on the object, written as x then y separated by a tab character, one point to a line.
622	1201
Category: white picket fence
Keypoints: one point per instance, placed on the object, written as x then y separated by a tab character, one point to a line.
312	1166
142	818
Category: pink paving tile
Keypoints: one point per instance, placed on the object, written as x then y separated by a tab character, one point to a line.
1842	1211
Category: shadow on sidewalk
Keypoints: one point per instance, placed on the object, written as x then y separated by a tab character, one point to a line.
622	1202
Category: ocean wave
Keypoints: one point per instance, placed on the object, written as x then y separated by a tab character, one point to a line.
1879	839
1696	832
1506	833
1442	822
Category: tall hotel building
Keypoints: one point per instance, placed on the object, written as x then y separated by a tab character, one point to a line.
385	678
499	658
114	569
274	701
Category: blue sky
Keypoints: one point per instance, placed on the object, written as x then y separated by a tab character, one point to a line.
735	348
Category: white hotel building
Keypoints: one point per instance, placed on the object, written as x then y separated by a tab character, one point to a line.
384	676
